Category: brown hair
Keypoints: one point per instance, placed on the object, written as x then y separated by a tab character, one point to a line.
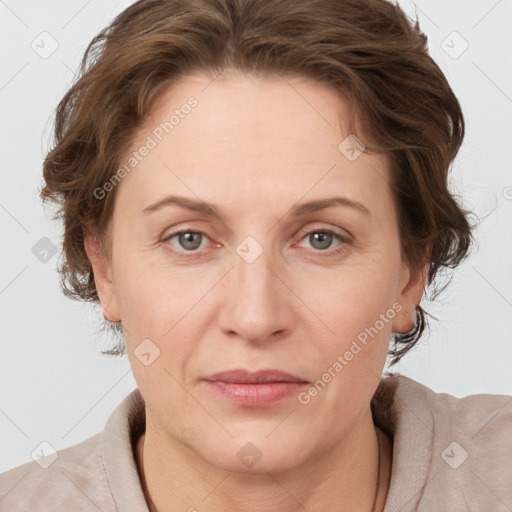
367	50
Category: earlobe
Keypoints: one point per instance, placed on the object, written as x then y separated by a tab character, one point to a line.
102	278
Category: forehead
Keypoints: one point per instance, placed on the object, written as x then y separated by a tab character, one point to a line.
270	135
236	108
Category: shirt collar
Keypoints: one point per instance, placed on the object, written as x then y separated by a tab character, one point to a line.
123	428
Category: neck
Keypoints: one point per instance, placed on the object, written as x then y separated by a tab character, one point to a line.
354	476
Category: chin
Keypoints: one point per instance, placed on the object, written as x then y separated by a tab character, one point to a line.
257	463
255	454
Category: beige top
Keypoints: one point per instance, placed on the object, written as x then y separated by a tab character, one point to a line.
449	454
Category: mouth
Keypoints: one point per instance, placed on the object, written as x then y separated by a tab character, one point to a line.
255	389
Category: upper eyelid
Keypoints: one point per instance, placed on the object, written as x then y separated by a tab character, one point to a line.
320	229
304	231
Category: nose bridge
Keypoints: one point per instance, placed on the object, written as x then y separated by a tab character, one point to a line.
254	277
256	303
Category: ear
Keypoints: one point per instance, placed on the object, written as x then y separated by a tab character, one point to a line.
102	278
412	286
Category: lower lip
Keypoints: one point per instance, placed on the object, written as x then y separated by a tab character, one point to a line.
256	395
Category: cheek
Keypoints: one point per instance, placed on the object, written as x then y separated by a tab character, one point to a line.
151	293
352	298
164	305
354	308
347	358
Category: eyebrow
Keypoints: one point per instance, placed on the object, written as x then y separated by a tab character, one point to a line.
211	210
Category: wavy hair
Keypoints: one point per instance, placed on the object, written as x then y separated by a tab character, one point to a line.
367	50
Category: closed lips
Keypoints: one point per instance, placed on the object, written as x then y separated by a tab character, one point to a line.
258	377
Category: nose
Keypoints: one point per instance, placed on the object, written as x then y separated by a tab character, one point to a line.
257	305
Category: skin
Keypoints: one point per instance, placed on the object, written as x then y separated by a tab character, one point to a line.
255	147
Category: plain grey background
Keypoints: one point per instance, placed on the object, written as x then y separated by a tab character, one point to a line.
55	384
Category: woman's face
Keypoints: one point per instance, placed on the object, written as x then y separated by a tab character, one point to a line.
261	281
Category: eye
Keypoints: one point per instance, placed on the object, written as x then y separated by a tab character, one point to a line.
323	239
188	240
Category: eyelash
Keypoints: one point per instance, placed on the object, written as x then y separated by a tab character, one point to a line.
341	248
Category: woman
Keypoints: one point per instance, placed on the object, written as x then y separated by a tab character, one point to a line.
256	194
